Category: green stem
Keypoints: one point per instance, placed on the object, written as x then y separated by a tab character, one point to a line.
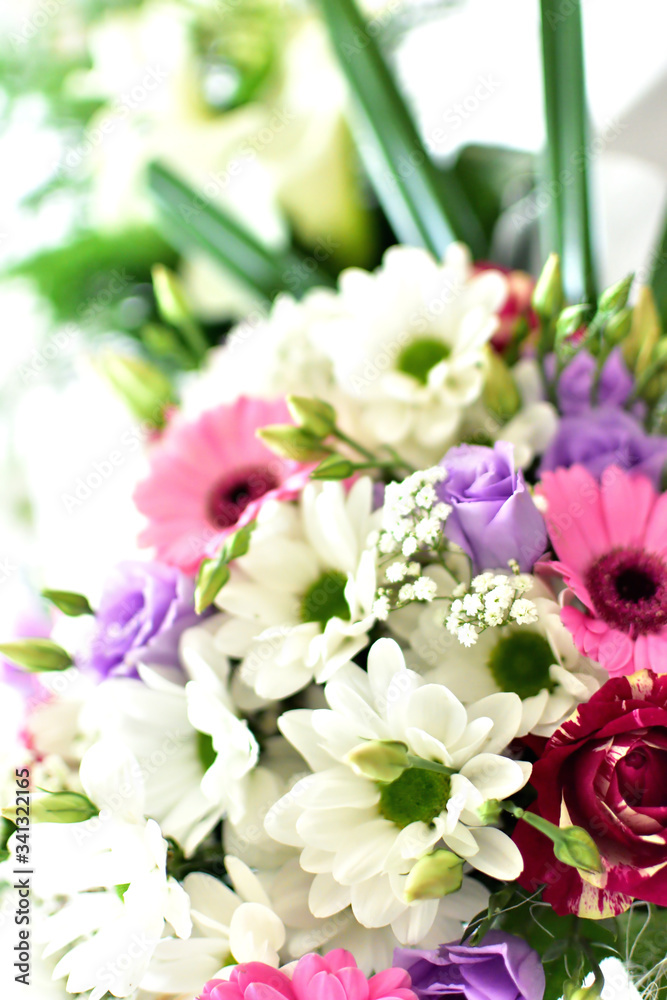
355	445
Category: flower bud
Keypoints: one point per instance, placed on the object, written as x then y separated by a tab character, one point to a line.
69	603
379	760
616	296
141	386
500	394
644	334
619	326
292	442
62	807
576	847
592	992
313	415
490	812
36	655
333	467
548	296
435	875
170	296
213	575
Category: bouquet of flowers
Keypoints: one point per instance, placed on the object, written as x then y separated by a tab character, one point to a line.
382	715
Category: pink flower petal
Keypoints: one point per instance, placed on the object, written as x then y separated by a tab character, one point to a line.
574	516
655	539
385	984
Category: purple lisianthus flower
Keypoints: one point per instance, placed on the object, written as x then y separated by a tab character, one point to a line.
576	382
493	516
502	967
602	437
144	609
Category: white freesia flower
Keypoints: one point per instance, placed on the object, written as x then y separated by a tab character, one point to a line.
194	751
362	839
538	660
112	871
299	604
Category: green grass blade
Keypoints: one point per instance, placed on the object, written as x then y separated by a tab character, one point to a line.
192	221
424	207
659	276
567	217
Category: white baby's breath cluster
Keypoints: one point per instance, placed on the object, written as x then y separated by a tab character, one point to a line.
412	523
492	599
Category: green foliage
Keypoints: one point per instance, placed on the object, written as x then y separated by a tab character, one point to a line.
86	278
643	942
494	178
570	947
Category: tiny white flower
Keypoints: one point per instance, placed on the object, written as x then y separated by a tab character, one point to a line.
472	604
524	612
406	593
396	572
467	635
482	583
381	608
425	588
410	546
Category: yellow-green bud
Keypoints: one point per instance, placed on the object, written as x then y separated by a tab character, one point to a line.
592	992
292	442
500	394
141	386
490	811
619	326
576	847
170	295
313	415
548	296
36	655
616	296
333	467
213	575
379	760
69	603
60	807
435	875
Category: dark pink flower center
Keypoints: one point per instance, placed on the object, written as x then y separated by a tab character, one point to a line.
628	588
231	494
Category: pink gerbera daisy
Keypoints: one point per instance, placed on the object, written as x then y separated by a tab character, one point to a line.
209	477
314	977
611	542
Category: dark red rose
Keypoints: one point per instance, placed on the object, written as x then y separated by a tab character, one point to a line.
605	770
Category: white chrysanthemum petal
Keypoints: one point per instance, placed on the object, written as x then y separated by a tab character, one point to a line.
496	777
256	934
374	902
106	767
498	856
327	828
436	711
504	710
327	896
414	924
339	787
297	727
365	855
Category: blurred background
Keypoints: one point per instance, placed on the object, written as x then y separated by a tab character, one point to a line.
243	101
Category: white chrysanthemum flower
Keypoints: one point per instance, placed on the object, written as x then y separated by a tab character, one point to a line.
195	753
111	869
408	344
361	838
300	603
537	659
229	926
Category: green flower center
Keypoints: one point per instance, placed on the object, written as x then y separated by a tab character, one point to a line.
205	750
520	662
420	356
325	599
416	796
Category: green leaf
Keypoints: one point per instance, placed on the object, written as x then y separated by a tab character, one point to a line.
196	222
424	207
68	602
494	177
146	391
567	216
90	274
659	275
36	655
